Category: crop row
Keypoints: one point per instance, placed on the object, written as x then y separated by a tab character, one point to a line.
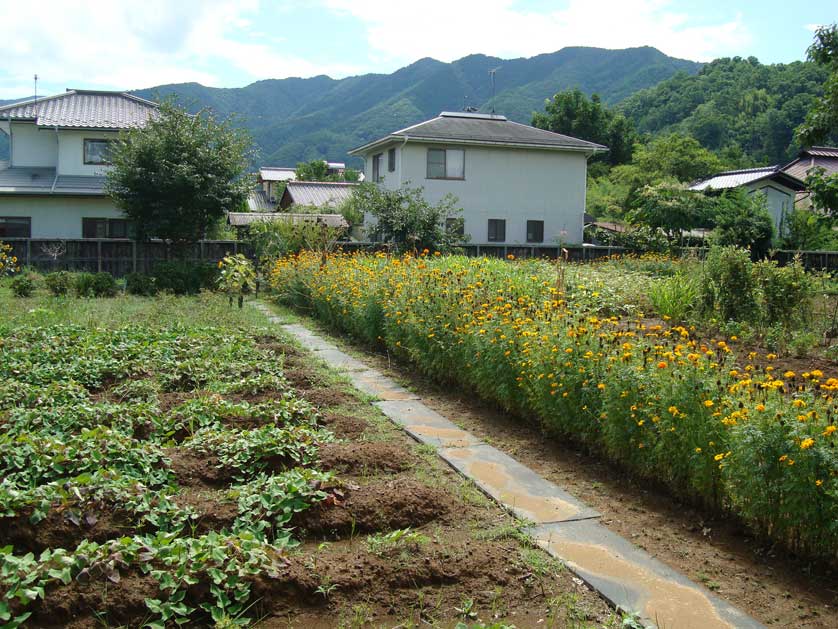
715	427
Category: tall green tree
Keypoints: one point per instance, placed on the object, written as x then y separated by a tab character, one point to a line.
822	119
572	113
318	170
180	174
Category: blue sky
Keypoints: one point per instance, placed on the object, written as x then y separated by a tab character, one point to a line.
124	45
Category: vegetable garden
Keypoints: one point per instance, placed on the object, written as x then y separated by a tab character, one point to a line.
157	472
727	428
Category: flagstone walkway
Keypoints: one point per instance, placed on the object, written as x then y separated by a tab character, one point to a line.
565	527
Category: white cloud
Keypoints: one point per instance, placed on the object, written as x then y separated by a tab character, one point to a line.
122	45
448	30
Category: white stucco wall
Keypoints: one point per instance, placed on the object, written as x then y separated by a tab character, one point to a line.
58	217
32	146
779	201
71	152
502	183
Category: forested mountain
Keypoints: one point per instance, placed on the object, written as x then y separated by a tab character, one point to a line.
295	119
737	106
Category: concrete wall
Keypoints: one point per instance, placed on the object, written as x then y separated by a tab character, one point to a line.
779	201
58	217
71	152
32	146
502	183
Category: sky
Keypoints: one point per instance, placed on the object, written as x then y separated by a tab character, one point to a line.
132	45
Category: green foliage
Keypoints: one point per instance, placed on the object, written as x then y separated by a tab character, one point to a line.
181	173
786	292
58	283
318	170
822	119
403	540
676	156
236	276
675	297
94	285
728	288
272	239
824	189
406	219
572	113
807	230
8	262
140	284
742	221
23	284
184	278
671	208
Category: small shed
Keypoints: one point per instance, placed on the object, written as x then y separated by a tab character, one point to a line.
321	194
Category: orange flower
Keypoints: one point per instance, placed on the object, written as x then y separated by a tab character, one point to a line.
661	365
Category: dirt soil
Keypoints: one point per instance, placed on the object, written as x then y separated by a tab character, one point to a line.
775	588
469	563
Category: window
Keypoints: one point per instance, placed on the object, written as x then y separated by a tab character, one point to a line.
97	152
446	164
535	231
104	228
497	230
15	227
376	167
391	160
455	226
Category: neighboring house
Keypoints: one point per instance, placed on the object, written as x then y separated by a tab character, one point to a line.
322	194
515	184
778	187
273	178
53	185
825	157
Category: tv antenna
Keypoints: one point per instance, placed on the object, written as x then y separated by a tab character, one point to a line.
36	87
492	79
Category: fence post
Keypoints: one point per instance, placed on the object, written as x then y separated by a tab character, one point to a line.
134	255
29	252
202	251
99	256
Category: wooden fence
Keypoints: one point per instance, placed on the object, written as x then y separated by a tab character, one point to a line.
116	256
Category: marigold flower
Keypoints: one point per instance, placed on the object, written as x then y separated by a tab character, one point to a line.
708	403
661	365
807	443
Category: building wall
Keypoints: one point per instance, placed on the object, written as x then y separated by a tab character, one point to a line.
33	147
779	201
71	152
503	183
58	217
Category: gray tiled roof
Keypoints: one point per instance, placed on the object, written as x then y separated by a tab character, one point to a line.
43	181
825	157
316	193
239	219
736	178
85	110
484	129
258	201
277	173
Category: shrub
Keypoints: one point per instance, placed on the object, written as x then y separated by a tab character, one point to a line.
58	283
23	285
674	297
183	278
140	284
728	289
83	284
104	285
786	291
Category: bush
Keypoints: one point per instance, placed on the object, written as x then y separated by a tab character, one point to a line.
23	285
786	292
58	283
140	284
184	278
83	284
95	285
728	290
674	297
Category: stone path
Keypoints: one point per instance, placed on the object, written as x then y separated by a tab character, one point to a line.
625	575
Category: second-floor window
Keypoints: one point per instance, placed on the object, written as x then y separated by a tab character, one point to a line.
97	152
446	164
376	167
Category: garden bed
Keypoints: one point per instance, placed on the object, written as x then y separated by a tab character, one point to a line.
210	471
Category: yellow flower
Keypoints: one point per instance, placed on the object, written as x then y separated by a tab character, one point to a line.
788	374
708	403
718	457
698	450
798	403
818	482
760	407
807	443
829	430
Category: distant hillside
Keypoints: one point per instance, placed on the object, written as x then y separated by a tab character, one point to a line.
296	119
736	106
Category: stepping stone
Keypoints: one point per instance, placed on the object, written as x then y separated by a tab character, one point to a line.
308	339
377	384
426	425
520	490
630	578
336	358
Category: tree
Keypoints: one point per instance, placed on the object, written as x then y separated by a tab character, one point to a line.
743	221
822	119
672	208
318	170
824	189
572	113
677	156
181	173
406	219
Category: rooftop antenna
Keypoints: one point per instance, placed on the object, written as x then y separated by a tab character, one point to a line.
36	87
492	78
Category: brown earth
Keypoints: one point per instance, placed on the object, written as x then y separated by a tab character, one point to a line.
366	457
776	588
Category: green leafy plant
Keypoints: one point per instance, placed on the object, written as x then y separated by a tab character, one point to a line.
23	285
236	277
58	283
400	539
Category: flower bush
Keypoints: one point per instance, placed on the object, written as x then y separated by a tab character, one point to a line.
732	435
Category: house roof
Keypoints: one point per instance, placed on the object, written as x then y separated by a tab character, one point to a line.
316	193
736	178
43	181
258	201
825	157
482	129
241	219
277	173
84	109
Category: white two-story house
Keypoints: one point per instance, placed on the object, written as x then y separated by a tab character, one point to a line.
53	183
516	184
